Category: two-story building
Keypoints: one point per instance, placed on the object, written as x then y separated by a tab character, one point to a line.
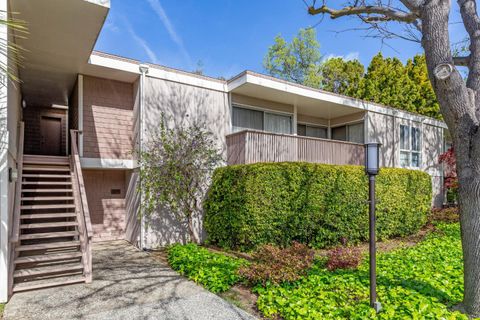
72	123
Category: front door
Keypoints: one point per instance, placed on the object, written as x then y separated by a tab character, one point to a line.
51	136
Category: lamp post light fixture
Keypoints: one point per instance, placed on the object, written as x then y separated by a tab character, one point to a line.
372	167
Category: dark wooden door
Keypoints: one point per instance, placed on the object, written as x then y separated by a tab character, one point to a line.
51	136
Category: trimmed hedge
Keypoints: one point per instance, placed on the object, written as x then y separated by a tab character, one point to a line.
315	204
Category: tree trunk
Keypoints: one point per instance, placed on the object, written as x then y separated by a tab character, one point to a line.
191	231
458	109
469	203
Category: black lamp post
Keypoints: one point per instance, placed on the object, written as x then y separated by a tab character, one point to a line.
372	166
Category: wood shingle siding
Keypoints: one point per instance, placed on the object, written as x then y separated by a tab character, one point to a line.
107	118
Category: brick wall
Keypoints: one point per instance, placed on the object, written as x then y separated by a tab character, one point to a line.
107	118
106	191
32	117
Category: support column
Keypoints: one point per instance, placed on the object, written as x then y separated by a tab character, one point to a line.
80	115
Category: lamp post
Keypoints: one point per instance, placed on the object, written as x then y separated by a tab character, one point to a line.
372	166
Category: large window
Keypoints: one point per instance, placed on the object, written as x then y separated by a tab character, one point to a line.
410	141
311	131
349	132
243	118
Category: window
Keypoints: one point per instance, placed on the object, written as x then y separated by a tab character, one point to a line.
410	141
243	118
350	132
311	131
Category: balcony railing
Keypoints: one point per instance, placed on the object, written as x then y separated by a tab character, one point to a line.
252	146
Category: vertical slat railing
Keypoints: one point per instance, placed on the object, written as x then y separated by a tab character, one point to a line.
81	204
252	146
15	234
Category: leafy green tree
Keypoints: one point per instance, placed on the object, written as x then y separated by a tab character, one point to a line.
341	76
298	61
387	82
405	87
175	170
426	102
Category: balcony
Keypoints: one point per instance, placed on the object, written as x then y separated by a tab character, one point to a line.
252	146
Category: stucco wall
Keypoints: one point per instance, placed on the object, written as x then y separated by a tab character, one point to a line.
386	130
181	104
107	118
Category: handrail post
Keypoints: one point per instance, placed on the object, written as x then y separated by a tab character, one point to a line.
82	207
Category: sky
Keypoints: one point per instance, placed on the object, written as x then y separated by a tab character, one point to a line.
225	37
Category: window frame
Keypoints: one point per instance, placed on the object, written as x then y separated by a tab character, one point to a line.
264	111
312	125
347	133
410	151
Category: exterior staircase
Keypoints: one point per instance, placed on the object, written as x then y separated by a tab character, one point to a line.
51	238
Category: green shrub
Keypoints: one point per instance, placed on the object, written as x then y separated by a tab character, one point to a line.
314	204
214	271
421	282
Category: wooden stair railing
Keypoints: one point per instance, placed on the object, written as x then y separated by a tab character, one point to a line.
81	206
15	235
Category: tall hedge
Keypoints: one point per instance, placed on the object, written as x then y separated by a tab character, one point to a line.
316	204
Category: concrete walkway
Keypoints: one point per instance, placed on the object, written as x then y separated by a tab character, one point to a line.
127	284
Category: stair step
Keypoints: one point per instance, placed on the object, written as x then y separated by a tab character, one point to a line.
63	168
47	206
35	285
46	198
47	160
48	215
47	182
47	270
48	257
47	190
49	225
46	235
42	175
51	245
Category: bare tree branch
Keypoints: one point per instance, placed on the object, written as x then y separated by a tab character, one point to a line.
461	61
468	11
385	13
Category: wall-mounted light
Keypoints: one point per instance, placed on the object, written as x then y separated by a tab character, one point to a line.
12	174
24	104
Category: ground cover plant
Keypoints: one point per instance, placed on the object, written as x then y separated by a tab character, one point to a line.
419	282
214	271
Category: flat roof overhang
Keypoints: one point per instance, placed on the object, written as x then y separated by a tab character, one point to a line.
311	101
61	36
307	101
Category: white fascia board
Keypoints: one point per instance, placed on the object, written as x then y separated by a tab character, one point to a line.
102	163
117	64
186	79
325	96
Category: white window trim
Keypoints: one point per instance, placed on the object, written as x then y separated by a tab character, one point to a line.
410	151
265	111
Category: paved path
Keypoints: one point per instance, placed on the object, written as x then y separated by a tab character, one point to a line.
127	284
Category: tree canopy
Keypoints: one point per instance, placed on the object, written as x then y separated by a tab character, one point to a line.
298	61
387	80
